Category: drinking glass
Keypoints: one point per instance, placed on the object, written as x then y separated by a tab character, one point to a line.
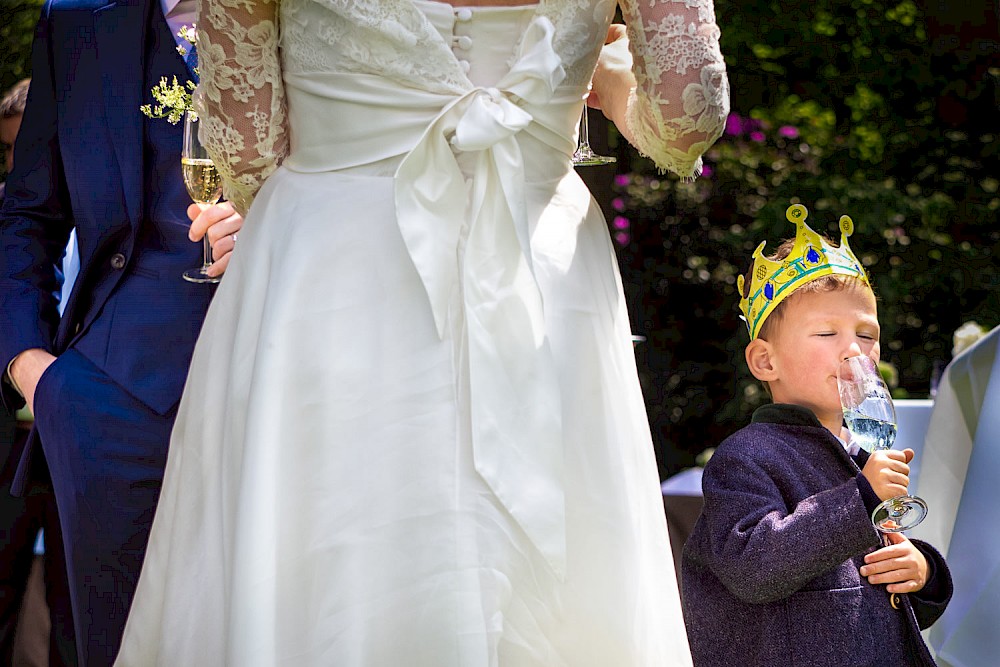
205	187
871	419
584	155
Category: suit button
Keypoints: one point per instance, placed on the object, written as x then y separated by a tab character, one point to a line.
118	261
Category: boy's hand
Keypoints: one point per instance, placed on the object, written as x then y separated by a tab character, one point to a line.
888	473
901	565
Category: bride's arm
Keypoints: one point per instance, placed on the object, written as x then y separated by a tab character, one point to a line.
665	87
240	97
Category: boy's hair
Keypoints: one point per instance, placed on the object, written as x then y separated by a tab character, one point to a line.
13	102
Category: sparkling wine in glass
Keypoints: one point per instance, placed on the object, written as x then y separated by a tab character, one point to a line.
871	419
204	185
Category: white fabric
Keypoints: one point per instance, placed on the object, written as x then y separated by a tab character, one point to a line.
413	432
676	111
179	14
913	417
958	479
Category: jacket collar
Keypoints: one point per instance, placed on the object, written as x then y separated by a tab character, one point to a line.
787	414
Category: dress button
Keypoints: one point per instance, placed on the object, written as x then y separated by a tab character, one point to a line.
118	261
463	14
465	65
464	42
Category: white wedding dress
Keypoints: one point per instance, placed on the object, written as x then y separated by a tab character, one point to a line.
413	433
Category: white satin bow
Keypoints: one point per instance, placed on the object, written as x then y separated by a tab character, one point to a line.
516	410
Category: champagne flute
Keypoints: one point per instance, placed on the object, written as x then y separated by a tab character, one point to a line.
205	187
584	155
871	419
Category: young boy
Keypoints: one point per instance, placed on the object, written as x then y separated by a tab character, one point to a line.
784	566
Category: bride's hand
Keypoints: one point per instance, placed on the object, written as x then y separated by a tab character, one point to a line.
613	80
221	222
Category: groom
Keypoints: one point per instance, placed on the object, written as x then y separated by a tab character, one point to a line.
105	379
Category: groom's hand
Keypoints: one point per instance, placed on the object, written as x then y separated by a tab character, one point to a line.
26	371
221	222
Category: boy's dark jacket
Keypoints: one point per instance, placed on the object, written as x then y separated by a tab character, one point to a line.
770	572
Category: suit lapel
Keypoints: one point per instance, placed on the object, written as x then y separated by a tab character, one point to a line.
120	31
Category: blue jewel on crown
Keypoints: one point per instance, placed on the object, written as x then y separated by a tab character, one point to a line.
769	290
813	256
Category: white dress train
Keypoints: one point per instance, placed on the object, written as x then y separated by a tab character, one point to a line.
412	433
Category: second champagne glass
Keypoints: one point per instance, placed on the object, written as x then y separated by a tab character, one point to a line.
205	187
584	155
871	419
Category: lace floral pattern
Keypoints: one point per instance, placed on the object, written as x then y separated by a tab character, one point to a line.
676	58
240	96
676	112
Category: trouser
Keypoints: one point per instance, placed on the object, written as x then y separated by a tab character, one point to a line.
105	452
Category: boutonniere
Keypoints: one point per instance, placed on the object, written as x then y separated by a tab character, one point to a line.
173	99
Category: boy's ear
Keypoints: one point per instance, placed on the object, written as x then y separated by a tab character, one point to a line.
760	360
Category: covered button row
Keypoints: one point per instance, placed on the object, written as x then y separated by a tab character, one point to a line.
463	42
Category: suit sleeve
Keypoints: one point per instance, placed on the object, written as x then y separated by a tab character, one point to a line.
36	219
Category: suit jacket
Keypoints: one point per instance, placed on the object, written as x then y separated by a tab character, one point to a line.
82	161
770	571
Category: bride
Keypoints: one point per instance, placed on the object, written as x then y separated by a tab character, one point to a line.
413	433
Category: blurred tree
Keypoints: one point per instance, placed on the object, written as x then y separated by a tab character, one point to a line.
17	28
885	112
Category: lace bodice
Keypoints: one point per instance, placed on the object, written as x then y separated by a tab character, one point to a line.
677	110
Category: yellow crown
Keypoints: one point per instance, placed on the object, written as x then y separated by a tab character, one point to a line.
811	257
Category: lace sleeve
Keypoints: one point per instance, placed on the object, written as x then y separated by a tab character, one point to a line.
240	97
680	104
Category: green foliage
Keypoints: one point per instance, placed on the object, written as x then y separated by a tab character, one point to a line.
17	28
846	106
173	100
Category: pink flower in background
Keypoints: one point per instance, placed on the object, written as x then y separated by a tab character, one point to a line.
734	125
621	222
757	136
618	204
621	180
707	171
788	132
622	238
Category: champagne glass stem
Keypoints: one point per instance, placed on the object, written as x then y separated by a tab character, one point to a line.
207	255
584	155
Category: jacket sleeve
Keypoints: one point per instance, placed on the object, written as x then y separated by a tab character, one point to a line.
931	600
240	95
36	220
761	549
680	104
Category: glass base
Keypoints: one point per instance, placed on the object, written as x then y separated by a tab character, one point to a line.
898	514
199	276
588	158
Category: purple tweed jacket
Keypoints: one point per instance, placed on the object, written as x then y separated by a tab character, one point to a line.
770	573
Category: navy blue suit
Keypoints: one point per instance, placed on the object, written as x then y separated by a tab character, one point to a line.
87	158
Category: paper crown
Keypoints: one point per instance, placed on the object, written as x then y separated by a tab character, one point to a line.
811	258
